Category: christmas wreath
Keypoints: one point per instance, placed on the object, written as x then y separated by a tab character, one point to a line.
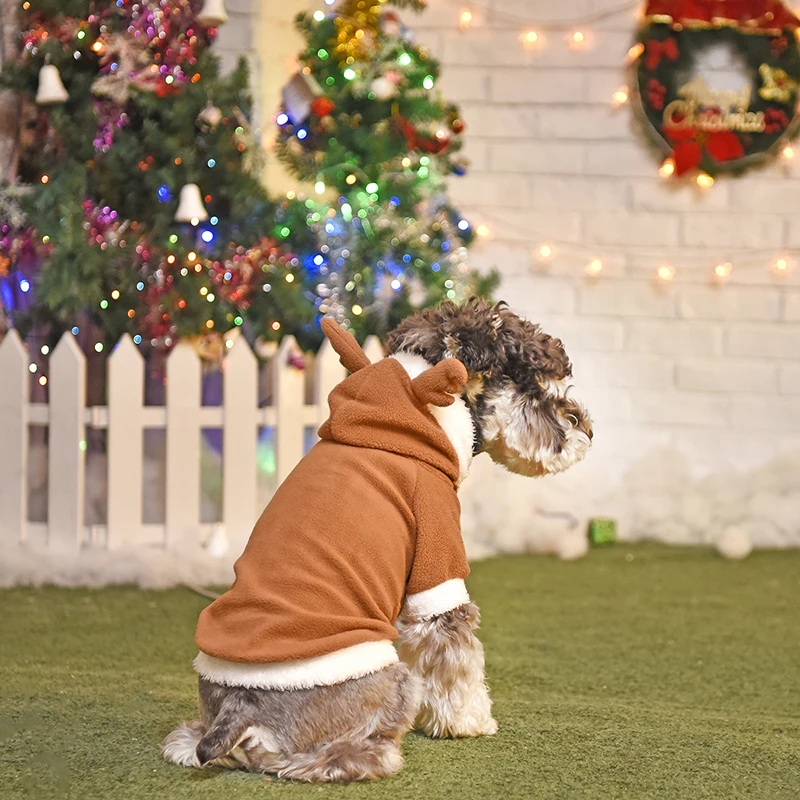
705	128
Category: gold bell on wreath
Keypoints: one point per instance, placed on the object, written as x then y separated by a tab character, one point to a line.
213	14
51	88
190	205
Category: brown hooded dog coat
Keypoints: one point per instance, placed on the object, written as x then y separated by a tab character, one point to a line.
367	520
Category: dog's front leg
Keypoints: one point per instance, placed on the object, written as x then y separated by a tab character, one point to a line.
444	651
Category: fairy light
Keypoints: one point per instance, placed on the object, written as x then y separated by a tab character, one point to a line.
666	272
781	266
98	347
594	267
620	97
723	271
276	326
357	310
350	179
192	256
45	179
32	368
667	169
44	350
319	187
577	40
635	53
545	251
530	39
465	19
42	380
115	294
289	277
705	181
482	231
788	152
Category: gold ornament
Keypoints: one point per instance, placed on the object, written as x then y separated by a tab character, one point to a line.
778	86
356	30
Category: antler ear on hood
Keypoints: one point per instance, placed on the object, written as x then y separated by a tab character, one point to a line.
437	385
351	356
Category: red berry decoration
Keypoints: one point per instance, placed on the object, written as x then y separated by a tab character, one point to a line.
322	106
698	125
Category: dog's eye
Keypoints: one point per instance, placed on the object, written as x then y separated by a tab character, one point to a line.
573	419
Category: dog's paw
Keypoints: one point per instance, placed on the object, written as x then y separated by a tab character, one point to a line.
459	727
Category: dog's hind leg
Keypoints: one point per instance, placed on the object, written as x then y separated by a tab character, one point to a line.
180	747
445	653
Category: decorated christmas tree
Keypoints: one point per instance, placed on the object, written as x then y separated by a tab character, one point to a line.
138	208
364	125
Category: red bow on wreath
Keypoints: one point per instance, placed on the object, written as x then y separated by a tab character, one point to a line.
754	16
657	50
690	144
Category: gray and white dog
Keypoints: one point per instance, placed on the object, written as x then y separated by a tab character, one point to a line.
516	407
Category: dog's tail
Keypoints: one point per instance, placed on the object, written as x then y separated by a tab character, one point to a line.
225	732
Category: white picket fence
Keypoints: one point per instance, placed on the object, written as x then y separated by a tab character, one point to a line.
125	418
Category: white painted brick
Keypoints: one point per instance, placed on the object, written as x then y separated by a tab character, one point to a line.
531	297
601	85
605	406
625	299
770	341
673	337
623	370
789	378
476	151
706	375
541	158
460	84
729	303
654	194
499	120
679	408
791	310
762	196
485	47
730	230
587	122
544	86
507	259
765	413
577	194
602	49
620	159
493	190
584	333
532	226
635	228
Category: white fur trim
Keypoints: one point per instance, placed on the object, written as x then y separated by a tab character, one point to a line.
337	667
455	420
439	600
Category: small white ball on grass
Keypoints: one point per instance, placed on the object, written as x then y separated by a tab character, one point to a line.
734	543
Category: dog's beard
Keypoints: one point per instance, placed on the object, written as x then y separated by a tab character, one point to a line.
529	436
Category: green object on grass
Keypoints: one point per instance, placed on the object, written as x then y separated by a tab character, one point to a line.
602	531
640	672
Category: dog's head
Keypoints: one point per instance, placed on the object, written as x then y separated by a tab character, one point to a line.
518	387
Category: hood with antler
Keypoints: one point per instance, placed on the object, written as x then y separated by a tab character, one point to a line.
381	406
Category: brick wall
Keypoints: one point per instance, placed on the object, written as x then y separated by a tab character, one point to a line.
684	378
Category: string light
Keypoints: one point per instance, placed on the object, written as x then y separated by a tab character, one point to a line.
465	19
530	39
788	152
115	294
42	380
545	251
705	181
594	267
620	97
350	179
482	231
577	40
276	326
98	348
667	169
781	266
666	272
635	53
357	310
723	271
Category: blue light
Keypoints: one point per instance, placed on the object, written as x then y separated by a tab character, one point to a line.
228	276
407	258
340	261
330	228
446	246
463	225
137	339
114	66
207	236
282	119
396	285
435	267
75	330
140	286
302	133
211	163
395	201
319	260
164	195
214	220
24	285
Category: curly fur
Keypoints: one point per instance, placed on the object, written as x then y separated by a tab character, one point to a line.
518	386
448	658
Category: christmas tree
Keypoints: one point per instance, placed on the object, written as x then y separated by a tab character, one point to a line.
363	123
143	211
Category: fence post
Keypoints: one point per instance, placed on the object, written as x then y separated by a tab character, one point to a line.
183	447
240	399
329	373
13	440
125	401
288	397
373	349
67	444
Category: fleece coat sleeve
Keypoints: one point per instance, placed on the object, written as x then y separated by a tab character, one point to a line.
436	582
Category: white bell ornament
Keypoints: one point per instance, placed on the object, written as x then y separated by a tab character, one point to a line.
213	14
51	88
190	205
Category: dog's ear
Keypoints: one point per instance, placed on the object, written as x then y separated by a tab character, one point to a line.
437	385
351	356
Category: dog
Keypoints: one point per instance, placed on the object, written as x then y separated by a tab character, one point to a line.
362	545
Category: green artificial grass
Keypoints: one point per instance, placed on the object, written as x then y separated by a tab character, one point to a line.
637	672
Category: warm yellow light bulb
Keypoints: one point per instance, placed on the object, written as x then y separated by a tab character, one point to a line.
577	39
667	168
781	265
465	19
705	181
289	277
788	151
482	230
620	97
530	39
357	310
350	179
635	52
115	294
276	326
723	271
666	273
595	267
545	251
